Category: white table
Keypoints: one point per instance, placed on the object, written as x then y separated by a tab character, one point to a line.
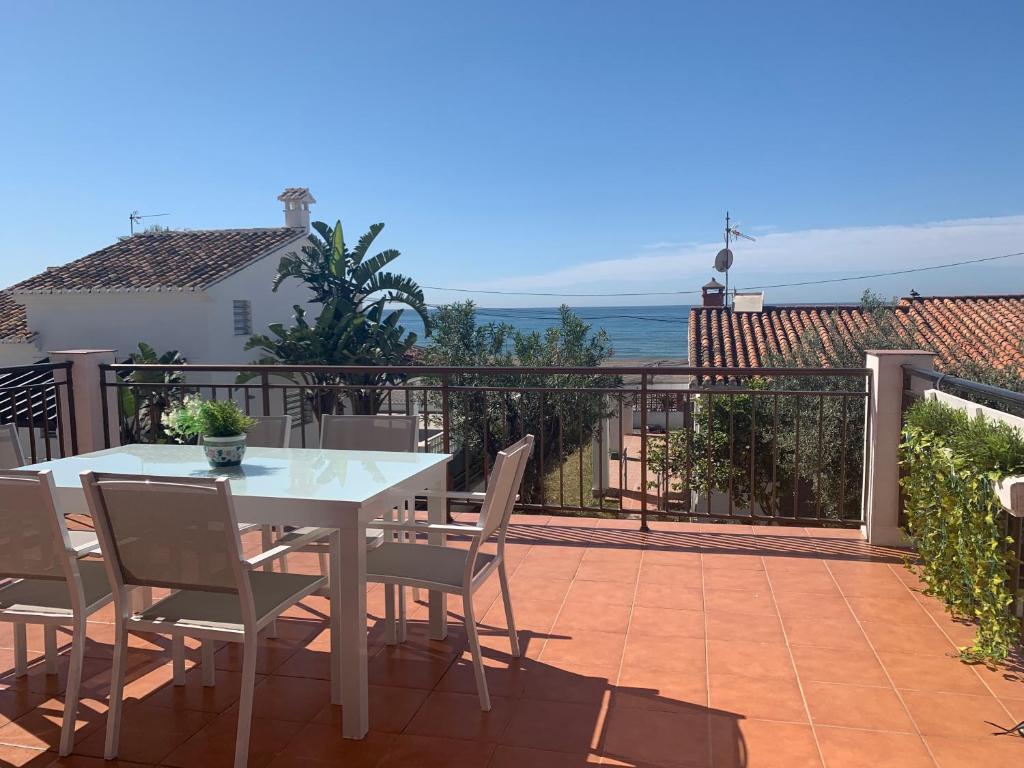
343	490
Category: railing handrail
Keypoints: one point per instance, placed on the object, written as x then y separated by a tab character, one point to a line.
432	370
35	368
988	390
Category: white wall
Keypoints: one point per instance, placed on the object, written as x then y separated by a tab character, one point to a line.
119	321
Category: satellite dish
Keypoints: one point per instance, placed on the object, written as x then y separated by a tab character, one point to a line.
723	260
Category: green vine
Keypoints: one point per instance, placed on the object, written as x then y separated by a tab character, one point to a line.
951	464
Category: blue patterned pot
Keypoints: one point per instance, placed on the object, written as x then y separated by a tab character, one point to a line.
224	451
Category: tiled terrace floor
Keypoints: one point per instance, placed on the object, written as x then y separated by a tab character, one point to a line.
692	645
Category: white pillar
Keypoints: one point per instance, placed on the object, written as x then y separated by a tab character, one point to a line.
88	396
882	440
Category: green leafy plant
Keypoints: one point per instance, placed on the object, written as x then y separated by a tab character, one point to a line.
196	417
143	404
951	464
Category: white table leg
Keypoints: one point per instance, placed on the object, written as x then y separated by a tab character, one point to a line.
348	561
437	513
333	571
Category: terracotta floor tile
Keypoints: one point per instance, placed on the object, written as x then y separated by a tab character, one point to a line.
84	761
556	726
975	753
953	715
845	748
599	593
323	743
458	716
767	698
825	633
672	557
741	657
601	648
39	727
856	706
214	745
803	582
907	638
579	615
641	688
291	699
668	654
728	625
23	757
755	581
607	570
391	709
805	605
683	576
14	704
665	621
524	587
394	667
148	733
902	610
517	757
749	743
503	679
640	737
584	683
738	562
533	616
740	601
794	561
833	665
669	596
931	673
1006	682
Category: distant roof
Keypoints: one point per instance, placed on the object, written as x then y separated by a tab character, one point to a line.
956	327
162	261
13	322
712	283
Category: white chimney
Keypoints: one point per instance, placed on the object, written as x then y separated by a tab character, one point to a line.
296	207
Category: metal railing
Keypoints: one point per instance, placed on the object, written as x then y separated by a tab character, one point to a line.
42	406
786	447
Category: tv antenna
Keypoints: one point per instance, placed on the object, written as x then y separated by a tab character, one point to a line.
723	259
136	218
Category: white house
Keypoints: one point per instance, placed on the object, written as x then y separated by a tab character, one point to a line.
201	292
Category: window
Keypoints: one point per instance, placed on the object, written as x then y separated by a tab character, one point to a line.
243	317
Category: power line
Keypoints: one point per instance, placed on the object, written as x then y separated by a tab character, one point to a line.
749	288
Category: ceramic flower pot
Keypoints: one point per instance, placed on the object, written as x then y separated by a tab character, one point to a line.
224	451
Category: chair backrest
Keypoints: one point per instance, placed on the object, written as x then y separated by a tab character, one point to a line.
11	456
503	485
368	433
269	432
171	532
34	539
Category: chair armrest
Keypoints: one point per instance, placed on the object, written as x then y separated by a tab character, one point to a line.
290	542
83	543
470	530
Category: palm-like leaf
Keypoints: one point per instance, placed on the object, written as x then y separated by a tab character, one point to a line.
365	242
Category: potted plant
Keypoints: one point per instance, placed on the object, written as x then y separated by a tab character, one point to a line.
220	424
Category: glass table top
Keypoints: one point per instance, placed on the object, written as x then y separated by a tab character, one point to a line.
306	473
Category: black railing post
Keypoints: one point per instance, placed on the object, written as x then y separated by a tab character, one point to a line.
643	453
69	386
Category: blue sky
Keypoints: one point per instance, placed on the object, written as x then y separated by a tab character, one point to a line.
569	146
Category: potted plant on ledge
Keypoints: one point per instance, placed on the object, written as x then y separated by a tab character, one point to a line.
219	424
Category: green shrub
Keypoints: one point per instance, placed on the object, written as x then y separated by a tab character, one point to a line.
206	418
951	465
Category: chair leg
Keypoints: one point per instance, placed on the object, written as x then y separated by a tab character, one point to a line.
474	648
50	644
116	691
267	540
249	648
178	659
283	560
20	650
67	731
410	538
209	665
506	598
390	630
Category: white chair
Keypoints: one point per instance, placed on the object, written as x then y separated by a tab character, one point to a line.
47	584
182	534
83	542
372	433
461	571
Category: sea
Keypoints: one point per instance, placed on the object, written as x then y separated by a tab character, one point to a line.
636	333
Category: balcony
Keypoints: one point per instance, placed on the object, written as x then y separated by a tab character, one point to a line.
714	643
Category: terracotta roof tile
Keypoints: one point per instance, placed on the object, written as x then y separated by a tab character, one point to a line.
13	323
955	327
162	261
